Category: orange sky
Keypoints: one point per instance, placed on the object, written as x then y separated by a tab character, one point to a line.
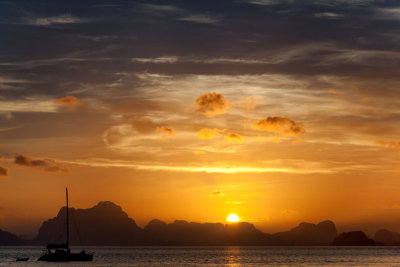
202	160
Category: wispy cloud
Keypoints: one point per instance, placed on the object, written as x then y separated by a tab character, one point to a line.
200	18
249	102
28	105
200	60
49	21
162	8
329	15
301	167
157	60
390	13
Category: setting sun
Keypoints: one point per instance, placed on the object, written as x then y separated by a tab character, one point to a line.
232	218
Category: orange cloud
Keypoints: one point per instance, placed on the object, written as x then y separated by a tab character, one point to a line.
68	101
233	137
212	104
47	165
3	171
280	125
166	131
217	193
249	102
206	133
390	144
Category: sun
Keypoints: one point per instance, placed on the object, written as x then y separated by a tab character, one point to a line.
232	218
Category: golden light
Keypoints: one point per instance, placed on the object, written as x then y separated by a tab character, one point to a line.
232	218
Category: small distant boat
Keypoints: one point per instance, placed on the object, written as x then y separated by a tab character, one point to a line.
22	259
62	252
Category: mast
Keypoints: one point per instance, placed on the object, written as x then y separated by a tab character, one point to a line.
66	190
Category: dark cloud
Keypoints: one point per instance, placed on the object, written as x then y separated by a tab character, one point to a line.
212	104
3	172
47	165
280	125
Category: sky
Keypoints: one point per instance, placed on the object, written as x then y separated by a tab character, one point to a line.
277	111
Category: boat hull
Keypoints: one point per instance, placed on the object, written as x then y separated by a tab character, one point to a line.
66	257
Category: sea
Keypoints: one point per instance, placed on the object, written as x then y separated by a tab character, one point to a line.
232	256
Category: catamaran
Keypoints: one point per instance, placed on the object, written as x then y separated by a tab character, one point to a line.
62	252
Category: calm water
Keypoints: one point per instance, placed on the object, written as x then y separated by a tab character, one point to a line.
217	256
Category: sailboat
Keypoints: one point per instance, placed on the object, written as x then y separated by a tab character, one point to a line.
62	252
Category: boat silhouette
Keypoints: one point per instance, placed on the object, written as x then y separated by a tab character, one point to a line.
62	252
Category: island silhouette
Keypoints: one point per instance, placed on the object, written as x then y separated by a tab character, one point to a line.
106	224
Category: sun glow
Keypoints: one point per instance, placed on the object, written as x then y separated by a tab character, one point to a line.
232	218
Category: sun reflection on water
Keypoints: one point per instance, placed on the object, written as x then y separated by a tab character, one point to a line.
233	257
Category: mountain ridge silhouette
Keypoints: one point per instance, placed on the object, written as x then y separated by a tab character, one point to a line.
107	224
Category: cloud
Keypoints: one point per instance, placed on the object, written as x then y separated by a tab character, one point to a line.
47	165
294	166
390	144
329	15
249	102
206	133
157	60
68	101
166	131
212	104
48	21
333	91
6	115
3	171
117	134
262	2
280	125
234	137
200	18
234	202
388	13
27	105
217	193
160	9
